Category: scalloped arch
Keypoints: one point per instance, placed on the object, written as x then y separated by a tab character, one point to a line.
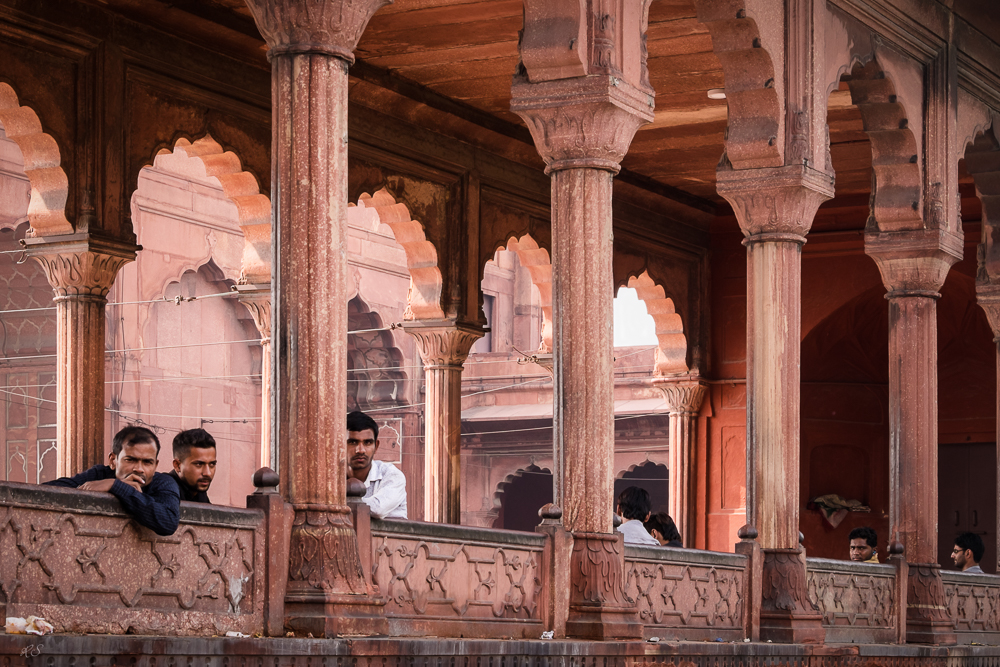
502	487
42	165
755	110
671	349
539	265
897	196
982	161
426	282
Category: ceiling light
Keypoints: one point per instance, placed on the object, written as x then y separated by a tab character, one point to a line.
716	93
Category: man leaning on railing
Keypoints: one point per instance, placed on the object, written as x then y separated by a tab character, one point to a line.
150	497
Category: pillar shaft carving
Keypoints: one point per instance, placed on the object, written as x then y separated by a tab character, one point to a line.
683	398
257	299
989	299
444	347
81	271
775	209
310	46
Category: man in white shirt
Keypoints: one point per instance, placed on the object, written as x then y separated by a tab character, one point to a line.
634	508
385	485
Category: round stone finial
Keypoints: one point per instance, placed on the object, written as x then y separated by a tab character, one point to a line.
355	488
802	538
550	511
265	478
896	548
616	521
747	532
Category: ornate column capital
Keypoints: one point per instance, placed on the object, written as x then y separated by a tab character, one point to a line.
683	395
443	343
914	263
257	299
775	204
585	123
988	298
79	265
328	27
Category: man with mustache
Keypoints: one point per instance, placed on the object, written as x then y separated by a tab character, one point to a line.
150	497
385	485
194	464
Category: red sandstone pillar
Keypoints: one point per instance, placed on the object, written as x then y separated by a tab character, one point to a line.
257	299
775	209
583	93
914	265
988	296
81	270
444	347
684	397
310	47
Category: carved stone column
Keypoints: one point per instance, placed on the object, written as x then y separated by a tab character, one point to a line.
444	347
914	265
684	397
310	46
81	270
583	91
257	299
775	209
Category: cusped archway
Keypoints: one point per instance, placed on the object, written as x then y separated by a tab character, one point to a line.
374	375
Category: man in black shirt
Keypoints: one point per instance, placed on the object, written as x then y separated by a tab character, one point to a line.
194	464
150	497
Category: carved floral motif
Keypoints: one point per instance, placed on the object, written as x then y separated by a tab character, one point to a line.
596	571
681	595
470	580
323	553
972	606
683	397
784	582
313	26
847	598
447	345
81	273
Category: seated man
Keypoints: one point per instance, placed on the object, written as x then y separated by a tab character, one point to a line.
386	486
968	551
194	464
150	497
864	545
664	530
633	508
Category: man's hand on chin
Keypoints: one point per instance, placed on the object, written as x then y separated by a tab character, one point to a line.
98	485
135	481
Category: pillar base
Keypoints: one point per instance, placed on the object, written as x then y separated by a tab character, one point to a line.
333	615
786	615
598	607
926	620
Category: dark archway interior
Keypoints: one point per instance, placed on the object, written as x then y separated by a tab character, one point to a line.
523	496
650	476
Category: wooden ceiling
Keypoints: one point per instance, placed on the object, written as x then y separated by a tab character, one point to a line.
448	64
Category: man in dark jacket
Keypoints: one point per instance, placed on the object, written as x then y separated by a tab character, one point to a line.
194	464
150	497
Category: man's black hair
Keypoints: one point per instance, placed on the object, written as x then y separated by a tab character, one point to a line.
133	435
974	543
359	421
662	522
195	437
633	503
867	534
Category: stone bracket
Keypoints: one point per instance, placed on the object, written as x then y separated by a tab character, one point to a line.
914	262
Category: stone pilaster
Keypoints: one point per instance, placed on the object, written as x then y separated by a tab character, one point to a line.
310	47
684	397
988	297
583	106
775	209
914	265
81	270
257	299
444	347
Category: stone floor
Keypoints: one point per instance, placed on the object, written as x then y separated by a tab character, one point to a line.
136	651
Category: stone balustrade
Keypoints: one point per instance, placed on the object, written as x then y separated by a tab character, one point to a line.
685	594
76	559
858	601
972	602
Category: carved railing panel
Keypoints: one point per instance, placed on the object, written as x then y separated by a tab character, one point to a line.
74	558
857	600
687	594
474	581
972	601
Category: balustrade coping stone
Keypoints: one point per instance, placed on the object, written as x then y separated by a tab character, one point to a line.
850	566
450	532
684	556
75	501
970	578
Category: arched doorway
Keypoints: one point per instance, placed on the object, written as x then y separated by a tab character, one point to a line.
651	476
521	495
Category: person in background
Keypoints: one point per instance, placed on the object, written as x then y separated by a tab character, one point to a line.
663	529
385	485
150	497
194	464
968	551
633	508
863	545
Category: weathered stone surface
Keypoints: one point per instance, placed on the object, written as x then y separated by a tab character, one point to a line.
857	600
972	602
684	397
74	558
